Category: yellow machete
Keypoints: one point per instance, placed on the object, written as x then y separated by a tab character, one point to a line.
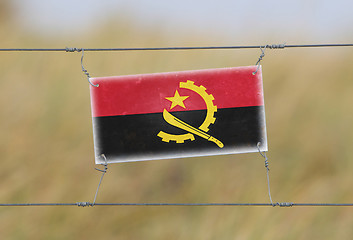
169	118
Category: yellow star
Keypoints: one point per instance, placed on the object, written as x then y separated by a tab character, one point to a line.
177	100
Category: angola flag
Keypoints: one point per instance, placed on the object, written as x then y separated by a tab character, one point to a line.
178	114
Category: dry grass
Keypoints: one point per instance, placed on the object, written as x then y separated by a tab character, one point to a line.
47	149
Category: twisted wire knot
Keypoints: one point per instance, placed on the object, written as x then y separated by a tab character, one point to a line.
68	49
283	204
267	164
276	46
84	204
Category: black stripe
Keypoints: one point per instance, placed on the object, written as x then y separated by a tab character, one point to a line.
136	135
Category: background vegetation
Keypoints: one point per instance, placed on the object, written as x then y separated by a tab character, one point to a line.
46	144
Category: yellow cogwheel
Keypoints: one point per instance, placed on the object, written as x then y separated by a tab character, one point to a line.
210	119
208	98
166	137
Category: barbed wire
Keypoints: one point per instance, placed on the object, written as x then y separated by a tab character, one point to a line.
269	46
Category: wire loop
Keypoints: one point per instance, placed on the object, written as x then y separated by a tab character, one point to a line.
263	48
83	69
105	164
260	59
263	154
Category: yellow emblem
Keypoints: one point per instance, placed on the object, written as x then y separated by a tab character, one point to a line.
203	129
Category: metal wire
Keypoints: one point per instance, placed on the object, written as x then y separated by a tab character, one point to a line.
271	46
260	59
263	154
82	67
88	204
104	171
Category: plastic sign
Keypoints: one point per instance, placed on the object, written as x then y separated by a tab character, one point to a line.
178	114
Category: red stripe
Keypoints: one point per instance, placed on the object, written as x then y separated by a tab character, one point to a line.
146	93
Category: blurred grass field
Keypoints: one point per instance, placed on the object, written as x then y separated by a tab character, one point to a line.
46	145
